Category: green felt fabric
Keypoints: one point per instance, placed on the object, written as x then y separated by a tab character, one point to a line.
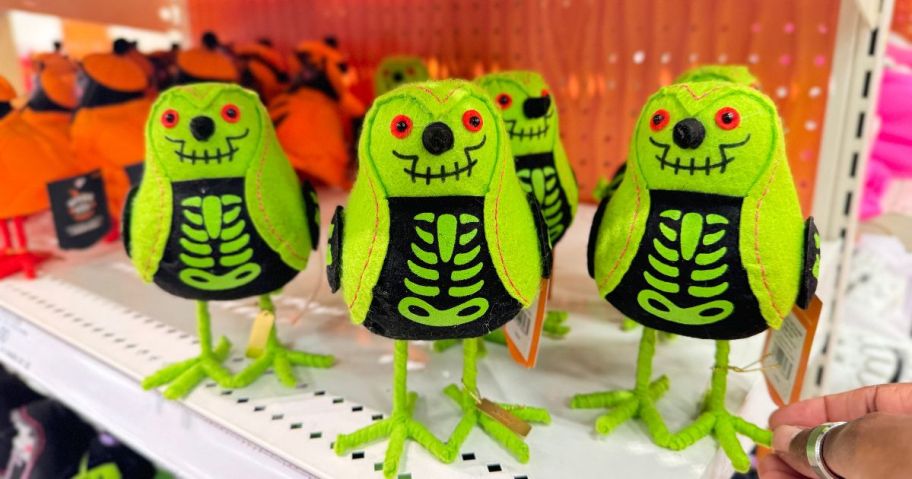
745	161
397	70
399	164
739	74
245	147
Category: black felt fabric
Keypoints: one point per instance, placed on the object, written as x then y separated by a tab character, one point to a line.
746	320
39	101
274	272
311	212
811	252
127	216
334	270
537	161
544	242
5	108
593	235
95	94
60	438
383	317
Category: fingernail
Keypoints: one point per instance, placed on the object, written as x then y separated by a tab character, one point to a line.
782	437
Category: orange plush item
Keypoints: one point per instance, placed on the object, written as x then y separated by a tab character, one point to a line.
205	63
29	159
263	69
319	65
310	129
107	131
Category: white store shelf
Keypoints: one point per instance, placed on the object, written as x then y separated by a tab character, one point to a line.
88	330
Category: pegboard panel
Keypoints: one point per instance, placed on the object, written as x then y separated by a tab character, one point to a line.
602	58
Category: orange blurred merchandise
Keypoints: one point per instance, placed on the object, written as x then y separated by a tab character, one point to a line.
263	69
108	128
207	62
311	131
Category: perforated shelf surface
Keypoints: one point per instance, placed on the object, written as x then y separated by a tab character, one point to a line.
88	330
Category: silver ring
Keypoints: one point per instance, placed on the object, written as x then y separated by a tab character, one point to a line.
814	450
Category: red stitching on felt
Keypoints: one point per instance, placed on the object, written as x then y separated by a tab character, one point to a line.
497	237
262	206
757	240
431	92
694	95
636	213
370	251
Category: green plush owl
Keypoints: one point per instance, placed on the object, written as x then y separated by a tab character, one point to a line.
739	74
530	115
438	240
395	71
219	215
703	238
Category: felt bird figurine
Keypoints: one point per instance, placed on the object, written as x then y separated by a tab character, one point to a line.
219	215
263	68
438	241
107	130
397	70
704	238
739	74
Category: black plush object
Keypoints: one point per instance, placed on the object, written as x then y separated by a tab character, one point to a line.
105	449
5	108
274	272
39	101
746	319
52	440
334	269
811	256
13	394
384	318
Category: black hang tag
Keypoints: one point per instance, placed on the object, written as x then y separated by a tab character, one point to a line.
135	173
80	209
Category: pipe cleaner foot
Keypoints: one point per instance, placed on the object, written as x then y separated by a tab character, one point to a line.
624	404
555	327
282	360
473	416
397	429
184	376
724	427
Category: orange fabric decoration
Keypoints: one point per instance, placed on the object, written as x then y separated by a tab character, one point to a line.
111	137
207	62
29	159
7	92
116	72
311	130
331	61
267	70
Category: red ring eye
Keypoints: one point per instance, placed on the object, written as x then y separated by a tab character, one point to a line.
231	113
472	120
659	120
545	93
504	101
728	118
401	126
170	118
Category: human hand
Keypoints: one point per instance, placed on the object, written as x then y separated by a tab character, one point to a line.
873	444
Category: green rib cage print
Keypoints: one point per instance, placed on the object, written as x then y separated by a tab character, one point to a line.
688	241
444	268
215	244
542	183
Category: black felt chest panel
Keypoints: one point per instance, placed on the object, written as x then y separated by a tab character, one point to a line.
687	277
556	208
438	280
214	251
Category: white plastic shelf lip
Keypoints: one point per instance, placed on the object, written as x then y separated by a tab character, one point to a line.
166	432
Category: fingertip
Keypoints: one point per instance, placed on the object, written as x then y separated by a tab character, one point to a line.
783	436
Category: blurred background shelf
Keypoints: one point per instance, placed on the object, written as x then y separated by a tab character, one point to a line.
89	345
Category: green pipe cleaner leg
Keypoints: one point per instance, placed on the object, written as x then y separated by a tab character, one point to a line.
468	399
717	422
281	359
630	404
400	426
553	328
183	376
